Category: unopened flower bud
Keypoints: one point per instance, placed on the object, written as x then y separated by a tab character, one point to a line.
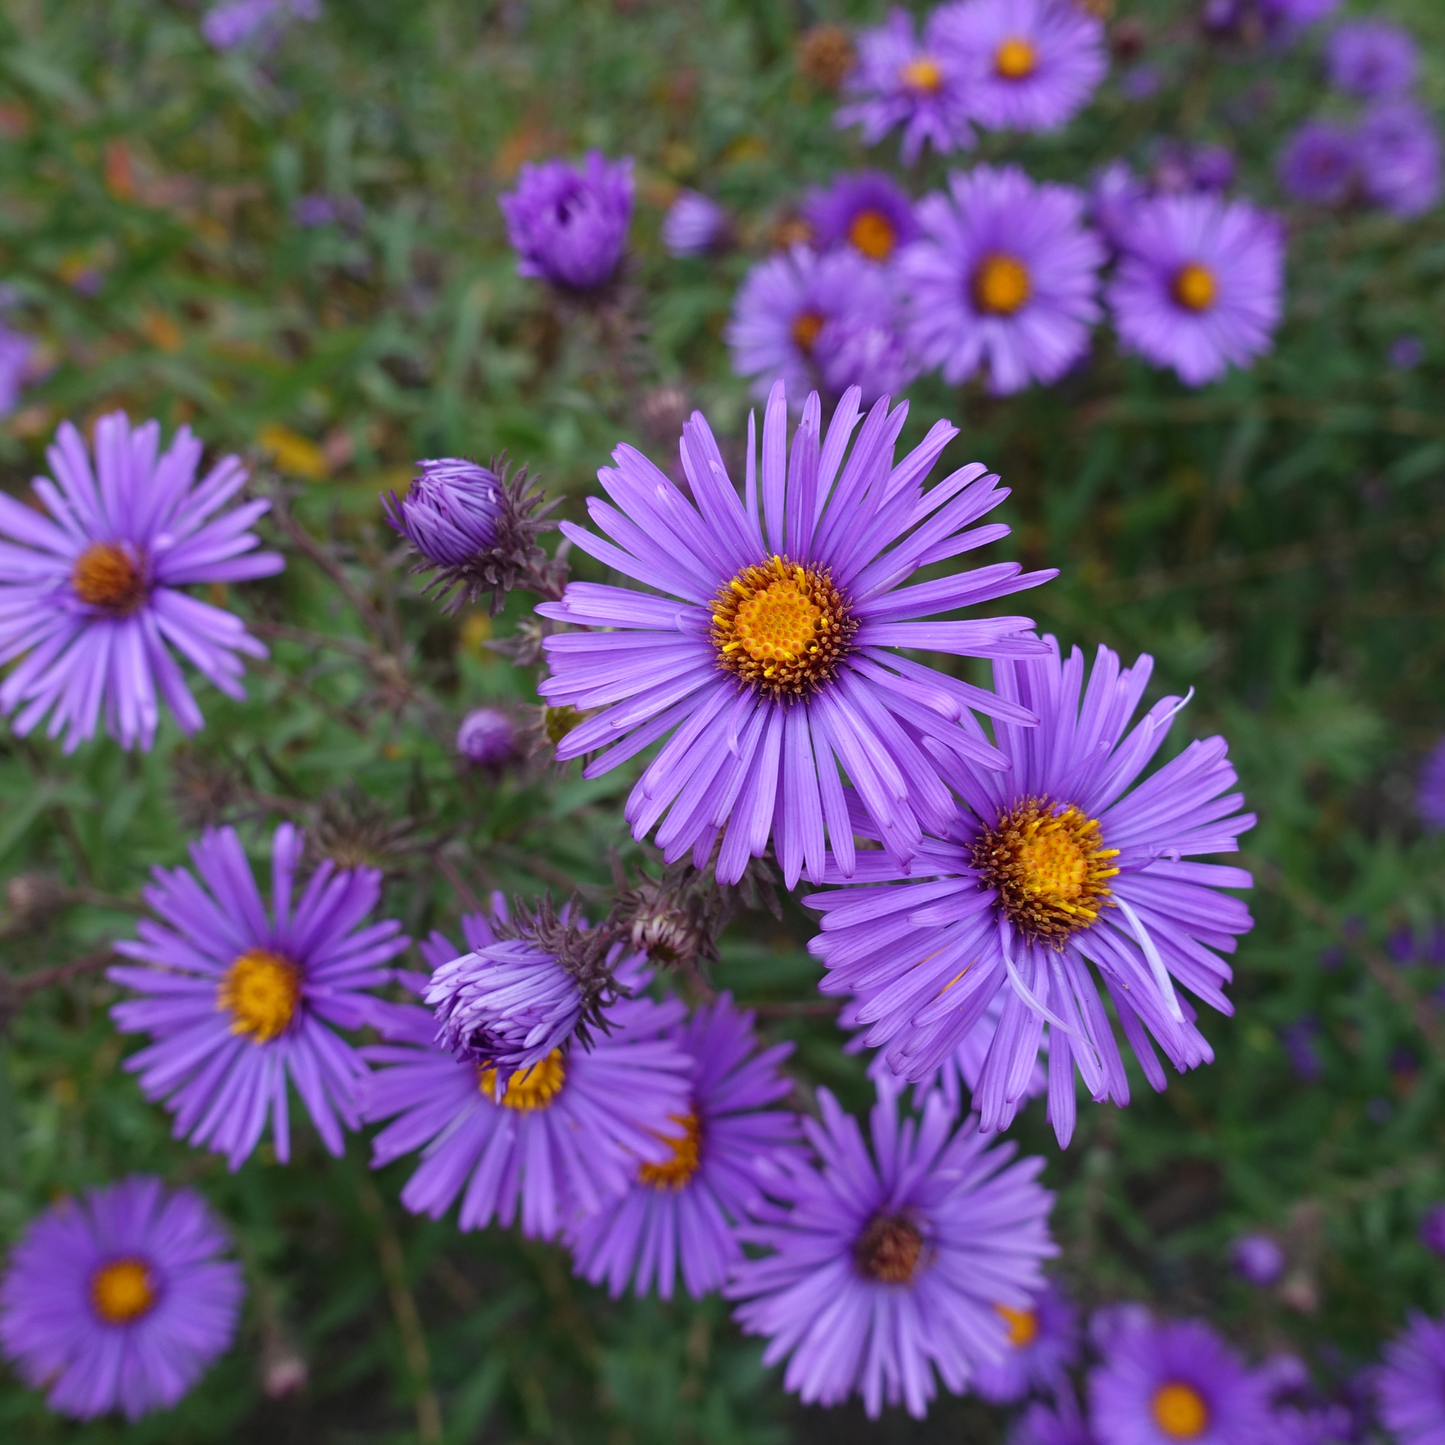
487	738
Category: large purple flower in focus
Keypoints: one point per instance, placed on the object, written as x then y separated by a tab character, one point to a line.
1165	1383
1320	163
888	1265
1050	867
768	650
238	1000
1372	58
1005	277
119	1300
1043	1342
868	211
901	80
1400	158
1199	287
90	599
1027	64
569	226
681	1215
1411	1383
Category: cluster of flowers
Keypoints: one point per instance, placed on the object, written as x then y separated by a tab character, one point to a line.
1390	155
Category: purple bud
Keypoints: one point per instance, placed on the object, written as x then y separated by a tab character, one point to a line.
1212	167
1257	1258
1406	353
450	511
569	226
694	225
1432	1229
487	738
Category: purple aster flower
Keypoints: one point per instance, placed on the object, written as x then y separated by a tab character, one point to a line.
1411	1383
118	1300
772	662
1211	167
16	352
90	605
1051	867
1285	19
1163	1383
1257	1258
695	225
237	1000
487	738
1320	163
1430	798
1372	58
868	211
235	23
1432	1229
1406	353
683	1213
1027	64
1300	1042
1112	196
889	1265
569	226
1006	278
869	352
1043	1341
1057	1424
565	1136
1199	285
1141	81
901	80
1400	158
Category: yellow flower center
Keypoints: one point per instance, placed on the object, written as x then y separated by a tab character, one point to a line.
889	1249
1049	866
261	991
1015	59
805	331
872	233
923	74
781	627
528	1089
1180	1411
122	1291
1023	1325
1001	285
105	576
1195	287
686	1156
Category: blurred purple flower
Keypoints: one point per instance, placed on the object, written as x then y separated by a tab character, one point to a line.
1043	1342
695	225
1432	1229
1411	1382
1400	158
1372	58
1323	1425
869	352
1179	166
1286	19
1430	796
241	22
487	738
1113	194
16	353
1257	1258
314	209
1212	167
1056	1424
1405	354
867	210
1141	81
1299	1041
1320	162
569	226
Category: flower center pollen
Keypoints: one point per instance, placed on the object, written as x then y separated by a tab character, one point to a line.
872	233
1001	285
122	1291
1180	1411
805	331
261	991
686	1156
528	1089
1023	1326
889	1249
923	74
1195	287
106	577
1015	59
781	627
1050	868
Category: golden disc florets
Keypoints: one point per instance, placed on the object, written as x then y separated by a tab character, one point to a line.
782	628
872	233
528	1089
122	1291
922	74
261	991
1050	868
1023	1325
1015	59
107	577
674	1172
1001	285
890	1249
1195	287
1180	1411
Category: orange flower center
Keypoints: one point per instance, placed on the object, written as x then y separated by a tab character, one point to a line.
872	233
1015	59
261	991
673	1173
923	74
106	577
1195	287
122	1291
805	331
1001	285
889	1249
1023	1325
1179	1411
528	1089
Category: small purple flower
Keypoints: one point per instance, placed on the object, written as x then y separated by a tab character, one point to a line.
450	512
889	1265
1211	167
1043	1342
1411	1383
319	209
868	211
682	1214
1198	288
1006	278
1300	1042
1320	163
1400	158
236	1000
900	80
1285	19
1432	1229
569	226
487	738
119	1300
695	225
1405	354
1372	59
1257	1258
1112	196
1163	1383
1430	797
234	23
869	352
1057	1424
1141	81
16	353
1028	65
90	599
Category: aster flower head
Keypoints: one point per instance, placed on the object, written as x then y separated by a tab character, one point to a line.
1005	278
918	83
1199	286
569	226
1028	65
767	649
234	23
1411	1383
1400	158
889	1264
119	1300
1257	1258
695	225
869	352
1432	1228
16	353
1112	196
1321	163
1178	1381
487	738
1043	1342
1372	58
680	1217
91	610
238	998
557	1142
1045	869
868	211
